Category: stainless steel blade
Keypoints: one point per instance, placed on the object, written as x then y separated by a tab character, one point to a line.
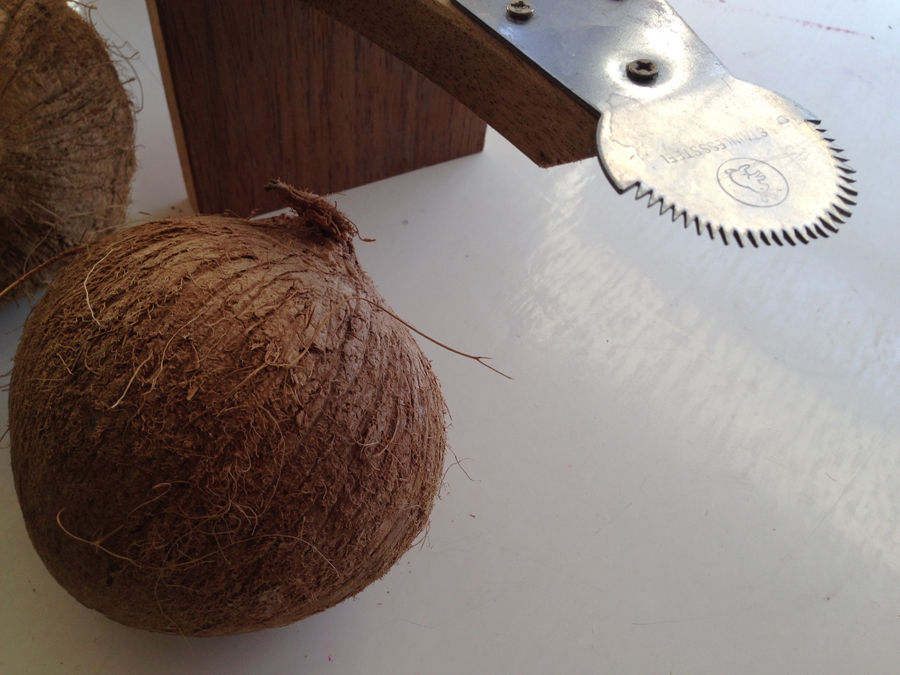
727	157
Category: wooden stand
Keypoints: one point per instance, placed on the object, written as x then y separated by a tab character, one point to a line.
275	89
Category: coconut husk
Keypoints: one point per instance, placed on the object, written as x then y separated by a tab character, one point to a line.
67	152
217	426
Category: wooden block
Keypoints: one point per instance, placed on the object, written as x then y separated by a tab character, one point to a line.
276	89
513	95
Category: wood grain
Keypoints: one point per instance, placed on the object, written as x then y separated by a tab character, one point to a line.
442	42
276	89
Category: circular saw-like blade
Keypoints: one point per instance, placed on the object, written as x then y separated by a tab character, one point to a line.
731	159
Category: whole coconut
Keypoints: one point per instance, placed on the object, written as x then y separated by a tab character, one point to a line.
216	426
66	138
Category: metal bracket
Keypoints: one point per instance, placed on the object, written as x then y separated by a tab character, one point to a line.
600	50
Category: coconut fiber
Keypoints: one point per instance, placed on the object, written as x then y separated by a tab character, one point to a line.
216	426
66	137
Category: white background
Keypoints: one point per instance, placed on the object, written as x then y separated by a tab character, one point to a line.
697	466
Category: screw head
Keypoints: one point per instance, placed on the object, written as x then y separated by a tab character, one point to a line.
642	71
519	10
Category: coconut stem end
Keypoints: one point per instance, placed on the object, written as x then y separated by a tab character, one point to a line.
316	211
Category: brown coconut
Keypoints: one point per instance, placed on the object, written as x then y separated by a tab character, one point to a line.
66	137
216	426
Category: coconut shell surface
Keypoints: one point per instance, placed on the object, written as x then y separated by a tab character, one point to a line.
67	152
216	428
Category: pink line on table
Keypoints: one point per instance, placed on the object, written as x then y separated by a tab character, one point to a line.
806	23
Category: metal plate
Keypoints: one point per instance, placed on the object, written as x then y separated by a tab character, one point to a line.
585	45
727	157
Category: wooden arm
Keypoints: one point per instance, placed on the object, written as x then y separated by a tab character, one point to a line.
444	44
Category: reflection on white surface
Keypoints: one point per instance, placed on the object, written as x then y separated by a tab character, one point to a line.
794	396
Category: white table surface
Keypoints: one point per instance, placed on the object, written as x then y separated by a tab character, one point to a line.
697	466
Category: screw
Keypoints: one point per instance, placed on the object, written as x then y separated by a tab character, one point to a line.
519	10
642	71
